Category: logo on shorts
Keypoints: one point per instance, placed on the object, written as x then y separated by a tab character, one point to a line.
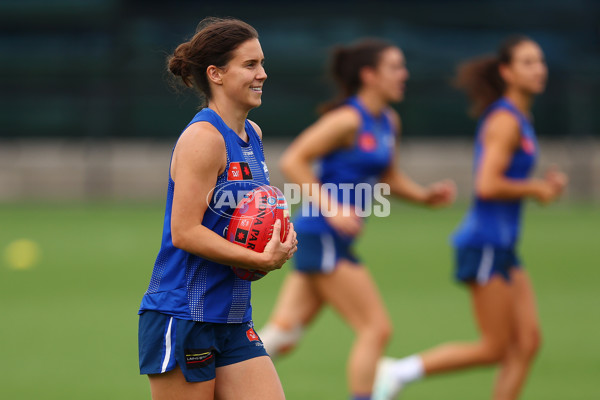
251	335
198	358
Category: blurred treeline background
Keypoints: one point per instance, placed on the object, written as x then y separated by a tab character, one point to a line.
87	109
96	68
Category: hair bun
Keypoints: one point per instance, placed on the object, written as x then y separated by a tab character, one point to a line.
179	62
214	43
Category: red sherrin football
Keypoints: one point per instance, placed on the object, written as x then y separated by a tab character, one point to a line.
251	224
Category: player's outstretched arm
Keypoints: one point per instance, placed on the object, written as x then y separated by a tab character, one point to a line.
437	194
333	131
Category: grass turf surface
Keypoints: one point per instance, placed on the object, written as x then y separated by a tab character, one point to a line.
69	324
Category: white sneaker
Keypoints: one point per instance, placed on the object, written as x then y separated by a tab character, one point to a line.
387	386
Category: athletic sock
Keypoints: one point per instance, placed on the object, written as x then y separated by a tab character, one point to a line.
278	341
408	369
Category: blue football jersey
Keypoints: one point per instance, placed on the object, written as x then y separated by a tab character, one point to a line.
190	287
362	163
498	222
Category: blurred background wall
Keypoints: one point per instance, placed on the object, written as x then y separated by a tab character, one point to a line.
87	110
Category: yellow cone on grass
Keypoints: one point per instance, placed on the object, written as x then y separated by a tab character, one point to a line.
22	254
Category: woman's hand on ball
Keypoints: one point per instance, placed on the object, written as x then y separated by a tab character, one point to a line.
276	253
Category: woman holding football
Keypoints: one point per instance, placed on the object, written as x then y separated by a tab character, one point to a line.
196	338
354	143
502	89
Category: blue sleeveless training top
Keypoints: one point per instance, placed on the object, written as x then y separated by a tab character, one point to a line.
498	222
187	286
363	163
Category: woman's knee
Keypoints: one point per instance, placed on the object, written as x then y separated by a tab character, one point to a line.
530	343
493	351
386	329
380	330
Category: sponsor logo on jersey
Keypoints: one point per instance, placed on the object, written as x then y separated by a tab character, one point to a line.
527	145
367	142
239	171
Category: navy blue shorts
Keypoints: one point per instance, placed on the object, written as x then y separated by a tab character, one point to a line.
197	347
479	264
320	252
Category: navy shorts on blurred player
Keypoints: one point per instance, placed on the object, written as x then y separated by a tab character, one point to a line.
197	347
320	252
475	264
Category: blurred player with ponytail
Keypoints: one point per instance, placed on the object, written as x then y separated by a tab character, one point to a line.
502	89
354	143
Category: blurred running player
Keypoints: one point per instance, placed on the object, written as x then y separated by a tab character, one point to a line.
502	89
354	143
196	339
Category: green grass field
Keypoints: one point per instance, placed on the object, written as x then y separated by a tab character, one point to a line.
69	323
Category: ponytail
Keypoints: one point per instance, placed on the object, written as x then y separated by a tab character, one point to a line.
346	65
480	77
481	81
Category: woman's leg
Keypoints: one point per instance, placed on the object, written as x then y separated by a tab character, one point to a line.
352	292
297	305
173	386
526	339
253	379
492	305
